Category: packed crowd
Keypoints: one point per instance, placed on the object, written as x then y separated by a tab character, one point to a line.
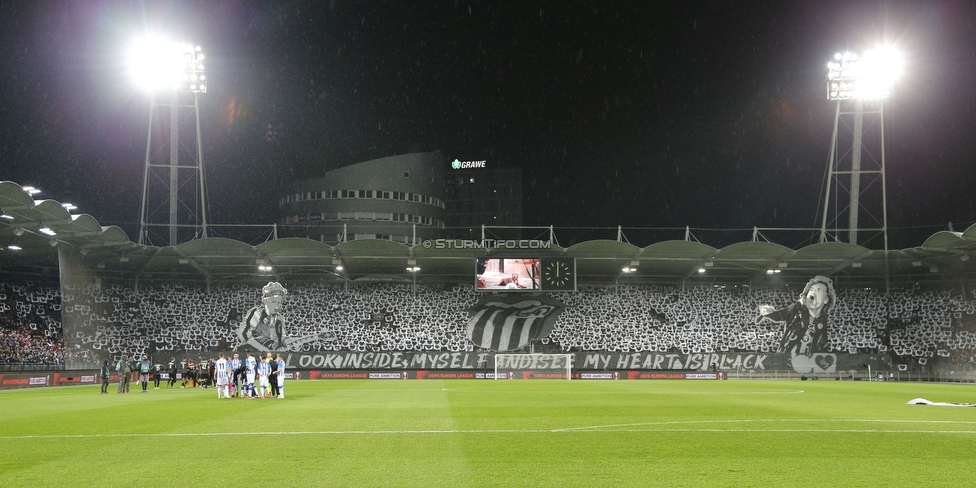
30	325
117	321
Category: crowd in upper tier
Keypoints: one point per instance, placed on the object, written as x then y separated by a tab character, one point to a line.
114	320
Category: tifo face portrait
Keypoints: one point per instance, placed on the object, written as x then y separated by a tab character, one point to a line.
273	303
817	296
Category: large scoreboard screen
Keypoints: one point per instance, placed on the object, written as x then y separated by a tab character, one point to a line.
525	274
505	274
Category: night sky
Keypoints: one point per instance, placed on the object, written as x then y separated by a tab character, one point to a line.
636	113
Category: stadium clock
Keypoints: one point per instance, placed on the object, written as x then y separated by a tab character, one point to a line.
558	274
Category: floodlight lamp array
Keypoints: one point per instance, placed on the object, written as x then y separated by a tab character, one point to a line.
160	65
870	76
196	80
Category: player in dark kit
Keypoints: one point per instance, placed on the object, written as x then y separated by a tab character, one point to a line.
212	372
171	368
203	373
185	368
156	374
237	366
190	375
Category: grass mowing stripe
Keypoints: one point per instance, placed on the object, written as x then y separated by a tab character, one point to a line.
414	432
595	428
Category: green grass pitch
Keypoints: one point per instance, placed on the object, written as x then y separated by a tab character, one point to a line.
494	433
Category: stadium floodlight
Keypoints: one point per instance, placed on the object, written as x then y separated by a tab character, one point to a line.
861	83
47	230
163	65
171	71
871	76
31	190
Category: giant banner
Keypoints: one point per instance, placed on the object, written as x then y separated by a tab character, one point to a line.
821	363
389	326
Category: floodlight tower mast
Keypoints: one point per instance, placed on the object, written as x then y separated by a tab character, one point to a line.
858	86
174	205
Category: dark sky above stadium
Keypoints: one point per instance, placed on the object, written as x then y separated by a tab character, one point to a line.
634	113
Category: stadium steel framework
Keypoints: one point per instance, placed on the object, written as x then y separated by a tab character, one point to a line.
174	197
26	249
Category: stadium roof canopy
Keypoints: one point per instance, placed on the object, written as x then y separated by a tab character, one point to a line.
33	232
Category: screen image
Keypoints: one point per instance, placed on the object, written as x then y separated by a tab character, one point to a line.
520	274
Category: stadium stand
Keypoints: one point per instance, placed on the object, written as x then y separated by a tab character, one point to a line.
30	325
390	317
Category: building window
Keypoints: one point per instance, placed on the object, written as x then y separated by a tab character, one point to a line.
378	194
406	174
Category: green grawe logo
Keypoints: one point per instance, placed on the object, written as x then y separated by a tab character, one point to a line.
458	164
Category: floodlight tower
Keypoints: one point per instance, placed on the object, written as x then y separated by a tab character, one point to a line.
858	85
173	193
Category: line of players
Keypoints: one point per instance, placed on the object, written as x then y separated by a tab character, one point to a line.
266	373
242	375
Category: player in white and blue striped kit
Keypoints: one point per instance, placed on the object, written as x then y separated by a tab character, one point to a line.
264	371
250	370
222	374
